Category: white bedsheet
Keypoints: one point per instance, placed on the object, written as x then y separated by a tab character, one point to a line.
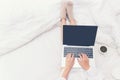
22	21
40	59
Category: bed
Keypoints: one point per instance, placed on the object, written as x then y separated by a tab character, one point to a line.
30	45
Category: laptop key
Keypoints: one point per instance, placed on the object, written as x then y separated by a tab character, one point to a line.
76	51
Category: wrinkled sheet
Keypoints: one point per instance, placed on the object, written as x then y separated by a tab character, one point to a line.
23	20
34	23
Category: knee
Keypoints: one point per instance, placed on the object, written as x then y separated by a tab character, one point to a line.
69	3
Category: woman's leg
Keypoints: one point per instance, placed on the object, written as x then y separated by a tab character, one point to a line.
70	12
63	12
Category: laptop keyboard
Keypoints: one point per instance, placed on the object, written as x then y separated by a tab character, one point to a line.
76	51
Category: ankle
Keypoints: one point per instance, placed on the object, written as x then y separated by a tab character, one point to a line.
72	22
63	21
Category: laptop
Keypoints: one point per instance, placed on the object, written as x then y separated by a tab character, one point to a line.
78	39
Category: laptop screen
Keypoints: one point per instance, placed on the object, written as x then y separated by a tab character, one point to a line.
76	35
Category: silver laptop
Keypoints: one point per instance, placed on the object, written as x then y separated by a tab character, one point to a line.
78	39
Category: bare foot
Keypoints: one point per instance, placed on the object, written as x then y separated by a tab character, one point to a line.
63	21
72	22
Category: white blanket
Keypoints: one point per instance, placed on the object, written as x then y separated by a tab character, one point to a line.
23	20
105	14
41	58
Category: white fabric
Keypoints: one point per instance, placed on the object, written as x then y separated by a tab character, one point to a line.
38	60
105	14
61	78
23	20
35	61
92	74
116	73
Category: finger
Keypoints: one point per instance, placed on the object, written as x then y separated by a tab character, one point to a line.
85	57
80	57
82	54
73	57
68	55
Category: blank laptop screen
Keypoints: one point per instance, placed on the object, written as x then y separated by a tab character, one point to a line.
79	35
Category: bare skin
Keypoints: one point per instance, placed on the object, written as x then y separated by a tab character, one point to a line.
72	21
68	66
67	9
83	61
63	21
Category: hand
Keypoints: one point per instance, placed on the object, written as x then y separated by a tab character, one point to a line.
69	61
84	61
68	65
